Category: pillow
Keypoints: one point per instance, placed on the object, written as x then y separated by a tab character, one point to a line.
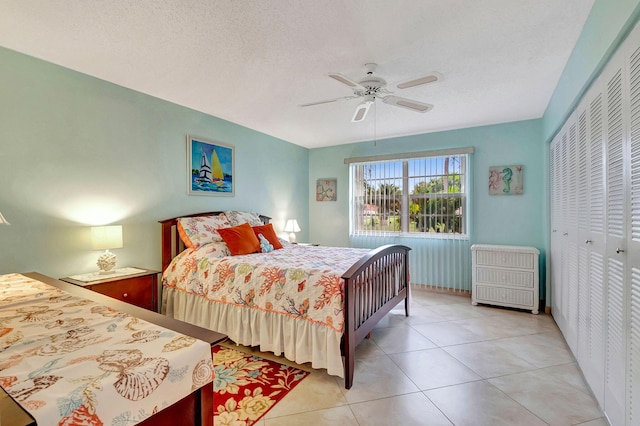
268	232
197	231
238	218
216	250
240	239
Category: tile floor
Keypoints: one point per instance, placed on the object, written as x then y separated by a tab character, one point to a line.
450	363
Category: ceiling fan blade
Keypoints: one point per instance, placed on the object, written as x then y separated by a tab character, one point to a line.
429	78
328	101
345	80
407	103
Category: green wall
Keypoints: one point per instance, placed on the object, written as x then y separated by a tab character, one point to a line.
507	220
495	220
76	151
608	24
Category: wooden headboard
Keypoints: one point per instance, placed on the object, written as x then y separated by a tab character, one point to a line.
171	243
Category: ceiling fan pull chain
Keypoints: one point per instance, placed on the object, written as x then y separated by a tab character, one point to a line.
375	125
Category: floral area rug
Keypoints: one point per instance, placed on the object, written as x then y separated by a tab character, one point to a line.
246	386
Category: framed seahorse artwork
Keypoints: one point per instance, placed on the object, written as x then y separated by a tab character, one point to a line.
506	180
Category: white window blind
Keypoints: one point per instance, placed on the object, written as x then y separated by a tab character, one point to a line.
416	194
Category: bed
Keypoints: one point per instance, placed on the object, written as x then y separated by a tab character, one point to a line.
62	358
311	304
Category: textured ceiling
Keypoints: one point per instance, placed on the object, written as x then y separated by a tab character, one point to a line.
253	62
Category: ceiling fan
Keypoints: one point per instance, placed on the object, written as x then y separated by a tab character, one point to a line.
371	87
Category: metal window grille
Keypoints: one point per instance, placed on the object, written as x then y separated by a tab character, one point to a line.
421	196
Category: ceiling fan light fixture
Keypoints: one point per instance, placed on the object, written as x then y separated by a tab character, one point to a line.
362	109
431	78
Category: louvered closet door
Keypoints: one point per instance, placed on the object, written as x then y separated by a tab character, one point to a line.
633	234
615	380
559	234
582	188
607	245
582	169
555	258
570	294
593	360
564	203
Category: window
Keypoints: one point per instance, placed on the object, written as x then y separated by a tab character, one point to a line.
417	195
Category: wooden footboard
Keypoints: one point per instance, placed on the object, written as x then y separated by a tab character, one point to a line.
373	286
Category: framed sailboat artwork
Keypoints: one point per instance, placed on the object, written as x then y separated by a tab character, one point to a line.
210	167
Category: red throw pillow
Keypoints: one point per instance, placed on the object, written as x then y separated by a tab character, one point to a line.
268	232
240	239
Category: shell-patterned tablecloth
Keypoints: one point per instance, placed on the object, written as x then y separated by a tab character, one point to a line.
68	360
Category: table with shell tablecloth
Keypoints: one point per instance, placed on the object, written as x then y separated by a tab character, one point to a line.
70	360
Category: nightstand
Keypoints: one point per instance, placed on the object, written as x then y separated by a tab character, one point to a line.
140	289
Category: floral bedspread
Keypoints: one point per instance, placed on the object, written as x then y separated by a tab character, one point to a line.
71	361
299	281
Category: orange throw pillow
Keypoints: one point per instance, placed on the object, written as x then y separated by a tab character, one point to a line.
268	232
240	239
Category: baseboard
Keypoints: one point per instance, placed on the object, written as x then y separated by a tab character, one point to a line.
435	289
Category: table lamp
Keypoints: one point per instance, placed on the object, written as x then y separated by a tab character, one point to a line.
105	238
292	227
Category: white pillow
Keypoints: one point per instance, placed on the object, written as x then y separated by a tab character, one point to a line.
197	231
238	218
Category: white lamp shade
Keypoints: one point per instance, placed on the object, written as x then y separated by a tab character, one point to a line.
291	226
106	237
3	221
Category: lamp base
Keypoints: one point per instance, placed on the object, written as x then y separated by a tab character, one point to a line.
292	237
106	262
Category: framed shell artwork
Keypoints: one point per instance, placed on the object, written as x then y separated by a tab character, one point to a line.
326	189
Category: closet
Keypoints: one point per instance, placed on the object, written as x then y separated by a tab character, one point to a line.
595	234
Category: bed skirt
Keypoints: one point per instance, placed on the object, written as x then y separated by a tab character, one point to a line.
298	341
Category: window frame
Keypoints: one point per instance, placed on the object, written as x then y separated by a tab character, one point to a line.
405	196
